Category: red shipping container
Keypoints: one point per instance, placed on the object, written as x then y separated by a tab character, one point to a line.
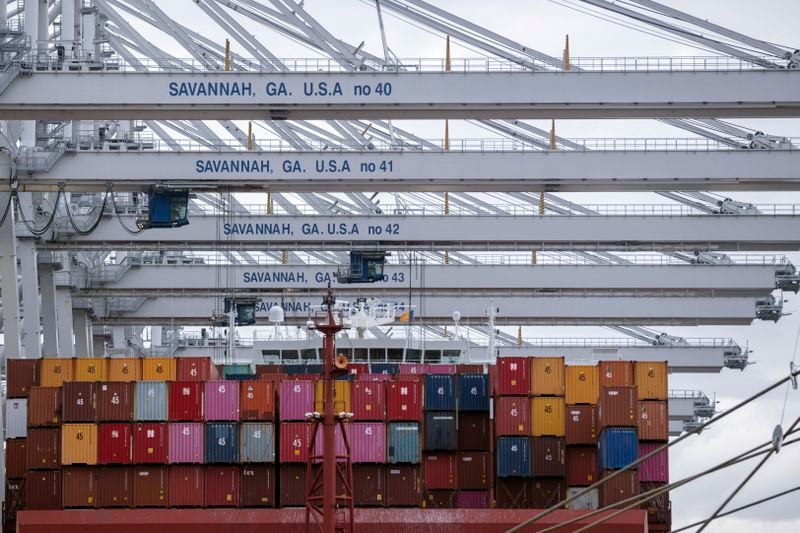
623	486
369	485
618	407
474	471
655	469
269	371
474	431
368	400
582	425
439	499
513	493
472	499
403	487
115	402
44	406
295	437
404	400
653	420
21	375
150	444
150	486
16	458
512	416
546	492
296	398
43	490
374	377
195	369
440	471
293	485
440	368
513	376
615	373
581	466
222	486
114	444
358	368
78	404
257	400
43	448
412	368
114	487
15	501
548	457
257	486
187	486
470	369
185	401
79	487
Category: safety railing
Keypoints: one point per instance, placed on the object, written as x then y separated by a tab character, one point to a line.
685	394
624	342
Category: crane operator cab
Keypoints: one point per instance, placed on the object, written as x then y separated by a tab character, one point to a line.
167	209
365	267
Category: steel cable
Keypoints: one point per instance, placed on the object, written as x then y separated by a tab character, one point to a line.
119	217
38	232
96	223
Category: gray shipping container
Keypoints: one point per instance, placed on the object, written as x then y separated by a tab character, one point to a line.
257	442
150	402
589	501
403	444
16	418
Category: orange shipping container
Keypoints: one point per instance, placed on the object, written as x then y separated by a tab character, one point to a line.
547	415
547	376
53	372
615	373
125	369
257	400
341	391
653	421
583	384
91	369
158	369
79	444
651	379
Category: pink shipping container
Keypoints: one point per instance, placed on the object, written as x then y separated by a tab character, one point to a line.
318	446
413	368
374	377
221	400
473	499
186	442
296	399
367	442
440	369
655	469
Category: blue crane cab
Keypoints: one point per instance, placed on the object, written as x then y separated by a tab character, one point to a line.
365	267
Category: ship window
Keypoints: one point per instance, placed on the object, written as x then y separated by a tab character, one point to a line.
309	354
289	354
395	354
433	356
359	354
377	354
451	355
413	356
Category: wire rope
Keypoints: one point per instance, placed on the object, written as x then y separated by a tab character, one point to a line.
37	231
96	223
119	216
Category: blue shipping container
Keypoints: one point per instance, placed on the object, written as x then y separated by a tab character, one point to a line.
150	401
234	369
384	368
440	431
513	457
473	392
222	442
440	392
617	447
294	370
241	377
403	443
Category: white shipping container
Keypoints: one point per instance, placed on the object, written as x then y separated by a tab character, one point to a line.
589	501
17	418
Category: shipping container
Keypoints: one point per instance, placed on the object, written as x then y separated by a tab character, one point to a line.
257	485
15	501
44	406
319	445
16	458
369	485
292	485
403	443
352	368
296	398
651	378
384	368
257	442
616	373
159	369
79	444
655	469
150	402
186	486
341	396
581	466
150	443
195	369
404	400
150	486
114	487
439	499
513	493
618	407
186	442
659	510
412	369
473	392
653	420
43	448
512	416
548	457
546	492
114	402
43	490
440	368
257	400
124	369
547	376
548	416
114	444
54	371
79	487
78	404
222	442
587	502
367	442
440	471
472	499
222	486
294	438
440	392
16	418
185	401
623	486
474	471
617	448
91	369
21	375
474	431
470	369
403	486
513	376
582	384
513	456
441	431
234	368
374	377
368	400
581	424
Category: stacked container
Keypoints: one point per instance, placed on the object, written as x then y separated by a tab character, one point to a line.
512	411
475	465
548	388
439	462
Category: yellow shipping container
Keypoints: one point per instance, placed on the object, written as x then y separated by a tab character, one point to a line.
547	414
341	391
547	376
651	379
583	384
91	369
125	369
159	369
54	371
79	444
